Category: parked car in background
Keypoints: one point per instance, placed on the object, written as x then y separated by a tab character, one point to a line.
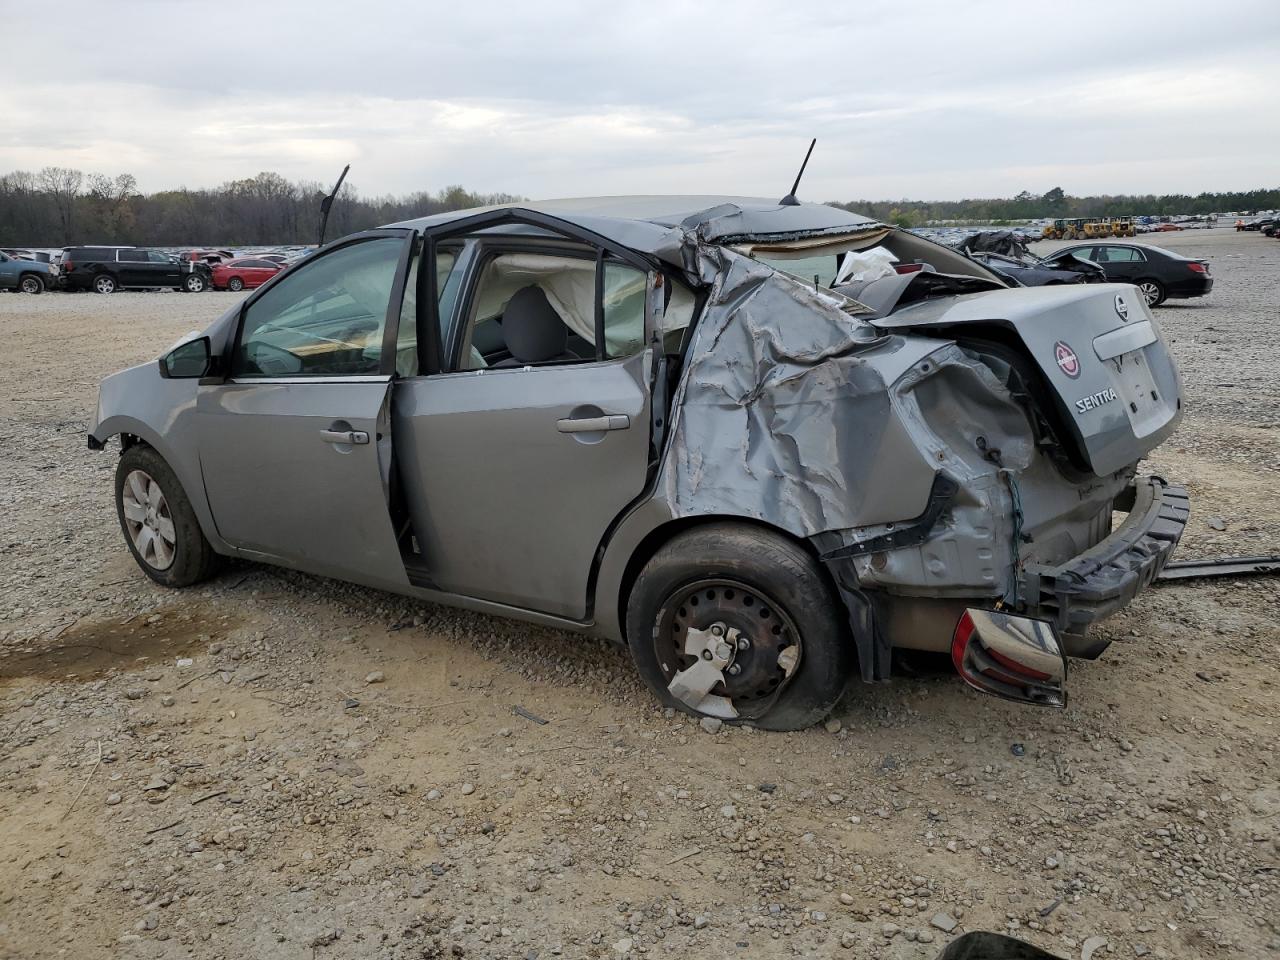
108	269
27	276
273	257
1005	254
1160	274
210	257
1168	227
626	417
244	274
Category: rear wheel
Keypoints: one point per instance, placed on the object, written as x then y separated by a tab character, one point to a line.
104	283
158	521
235	284
738	623
32	284
1152	291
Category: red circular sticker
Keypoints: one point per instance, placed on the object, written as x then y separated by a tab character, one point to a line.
1068	362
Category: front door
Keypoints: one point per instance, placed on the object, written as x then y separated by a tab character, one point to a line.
295	445
535	438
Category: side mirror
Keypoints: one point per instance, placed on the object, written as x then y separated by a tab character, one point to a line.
188	360
1013	657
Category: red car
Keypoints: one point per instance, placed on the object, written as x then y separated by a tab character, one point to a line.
241	274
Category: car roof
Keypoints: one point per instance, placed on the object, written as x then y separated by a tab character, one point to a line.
647	223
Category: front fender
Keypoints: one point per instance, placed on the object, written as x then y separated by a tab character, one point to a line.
141	404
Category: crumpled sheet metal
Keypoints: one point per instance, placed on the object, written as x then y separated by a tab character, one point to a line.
780	413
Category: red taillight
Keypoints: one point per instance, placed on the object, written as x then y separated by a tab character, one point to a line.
960	640
67	266
1197	268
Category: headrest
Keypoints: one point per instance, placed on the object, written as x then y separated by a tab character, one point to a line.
531	327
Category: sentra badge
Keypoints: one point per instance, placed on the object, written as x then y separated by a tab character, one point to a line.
1095	400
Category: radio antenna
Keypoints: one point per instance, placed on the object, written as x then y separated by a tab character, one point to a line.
790	199
327	203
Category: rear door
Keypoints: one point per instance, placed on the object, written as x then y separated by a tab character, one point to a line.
131	268
514	468
1123	264
295	443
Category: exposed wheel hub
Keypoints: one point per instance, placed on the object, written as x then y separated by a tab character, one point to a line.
726	649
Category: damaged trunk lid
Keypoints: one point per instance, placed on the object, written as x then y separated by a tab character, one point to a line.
1101	360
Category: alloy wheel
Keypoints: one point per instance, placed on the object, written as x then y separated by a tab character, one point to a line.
104	285
147	518
1150	293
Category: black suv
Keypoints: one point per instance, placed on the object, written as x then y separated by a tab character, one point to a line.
108	269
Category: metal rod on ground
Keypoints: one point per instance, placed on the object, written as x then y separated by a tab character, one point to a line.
1220	567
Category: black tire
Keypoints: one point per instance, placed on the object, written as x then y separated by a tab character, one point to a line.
195	283
31	283
192	559
105	283
1153	291
235	284
738	560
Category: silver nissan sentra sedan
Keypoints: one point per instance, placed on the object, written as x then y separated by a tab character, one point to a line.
761	443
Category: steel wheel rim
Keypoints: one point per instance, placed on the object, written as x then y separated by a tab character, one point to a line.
30	285
1150	292
765	624
148	521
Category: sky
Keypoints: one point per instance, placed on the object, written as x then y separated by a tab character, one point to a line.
920	99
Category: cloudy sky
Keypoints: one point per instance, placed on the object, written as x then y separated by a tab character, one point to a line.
919	99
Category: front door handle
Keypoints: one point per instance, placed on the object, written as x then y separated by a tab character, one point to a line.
344	436
612	421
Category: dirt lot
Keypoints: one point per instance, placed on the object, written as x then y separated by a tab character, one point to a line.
209	773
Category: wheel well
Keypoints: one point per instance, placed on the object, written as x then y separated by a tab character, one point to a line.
655	539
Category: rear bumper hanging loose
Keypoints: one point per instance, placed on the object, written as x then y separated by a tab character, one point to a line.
1106	577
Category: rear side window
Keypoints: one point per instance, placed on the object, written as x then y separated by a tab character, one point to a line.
325	318
1122	255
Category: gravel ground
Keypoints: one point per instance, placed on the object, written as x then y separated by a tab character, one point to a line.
275	765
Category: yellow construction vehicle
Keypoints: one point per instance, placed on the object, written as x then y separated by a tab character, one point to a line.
1069	229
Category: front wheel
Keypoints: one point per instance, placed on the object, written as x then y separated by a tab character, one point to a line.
1152	291
31	284
104	283
158	521
195	283
739	623
235	284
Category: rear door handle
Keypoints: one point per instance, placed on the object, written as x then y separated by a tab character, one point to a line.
344	436
612	421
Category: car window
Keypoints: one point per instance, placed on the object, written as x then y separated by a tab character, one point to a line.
325	318
132	256
1120	255
155	256
624	297
540	309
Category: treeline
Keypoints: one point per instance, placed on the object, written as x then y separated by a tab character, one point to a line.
1056	203
56	207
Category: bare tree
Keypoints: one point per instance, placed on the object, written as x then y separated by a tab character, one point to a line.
63	185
